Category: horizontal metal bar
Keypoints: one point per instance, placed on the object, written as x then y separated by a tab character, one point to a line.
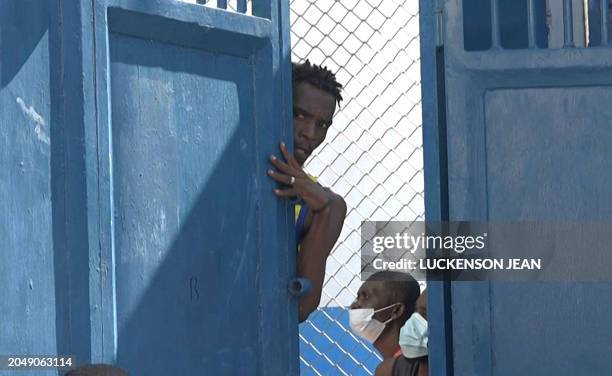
184	24
587	61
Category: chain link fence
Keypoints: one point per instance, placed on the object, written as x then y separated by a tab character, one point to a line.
372	155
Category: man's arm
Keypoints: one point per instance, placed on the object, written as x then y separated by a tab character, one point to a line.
385	367
316	245
328	210
423	367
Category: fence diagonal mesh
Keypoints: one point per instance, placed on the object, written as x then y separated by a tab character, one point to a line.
372	155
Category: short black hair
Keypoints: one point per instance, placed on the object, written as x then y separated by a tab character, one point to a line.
402	287
317	76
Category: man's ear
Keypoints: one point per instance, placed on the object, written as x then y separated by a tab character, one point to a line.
399	310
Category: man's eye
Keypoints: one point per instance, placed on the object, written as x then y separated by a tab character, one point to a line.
324	125
299	116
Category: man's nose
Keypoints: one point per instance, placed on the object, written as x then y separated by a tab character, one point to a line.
354	305
309	129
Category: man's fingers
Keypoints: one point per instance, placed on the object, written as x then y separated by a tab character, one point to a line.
280	165
288	157
285	192
284	151
281	178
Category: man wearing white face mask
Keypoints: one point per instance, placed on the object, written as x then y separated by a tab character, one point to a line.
415	332
383	305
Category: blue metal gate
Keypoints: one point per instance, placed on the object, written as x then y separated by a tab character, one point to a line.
139	227
517	130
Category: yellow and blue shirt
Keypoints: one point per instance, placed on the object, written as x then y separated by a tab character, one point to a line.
301	211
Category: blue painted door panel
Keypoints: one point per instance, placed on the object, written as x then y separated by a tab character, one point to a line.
44	227
136	137
191	100
182	162
527	138
28	162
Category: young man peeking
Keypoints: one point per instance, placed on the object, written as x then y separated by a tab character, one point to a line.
320	212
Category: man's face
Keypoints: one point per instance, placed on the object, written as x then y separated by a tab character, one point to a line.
372	294
313	110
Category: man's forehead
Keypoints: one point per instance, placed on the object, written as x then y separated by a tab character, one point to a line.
313	99
372	287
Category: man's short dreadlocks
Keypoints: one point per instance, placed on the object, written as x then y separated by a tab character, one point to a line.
317	76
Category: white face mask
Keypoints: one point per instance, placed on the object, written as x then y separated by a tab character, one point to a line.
364	324
413	337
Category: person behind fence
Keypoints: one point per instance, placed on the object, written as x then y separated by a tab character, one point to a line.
320	212
384	314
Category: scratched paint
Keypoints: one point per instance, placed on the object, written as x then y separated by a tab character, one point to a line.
37	119
28	231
